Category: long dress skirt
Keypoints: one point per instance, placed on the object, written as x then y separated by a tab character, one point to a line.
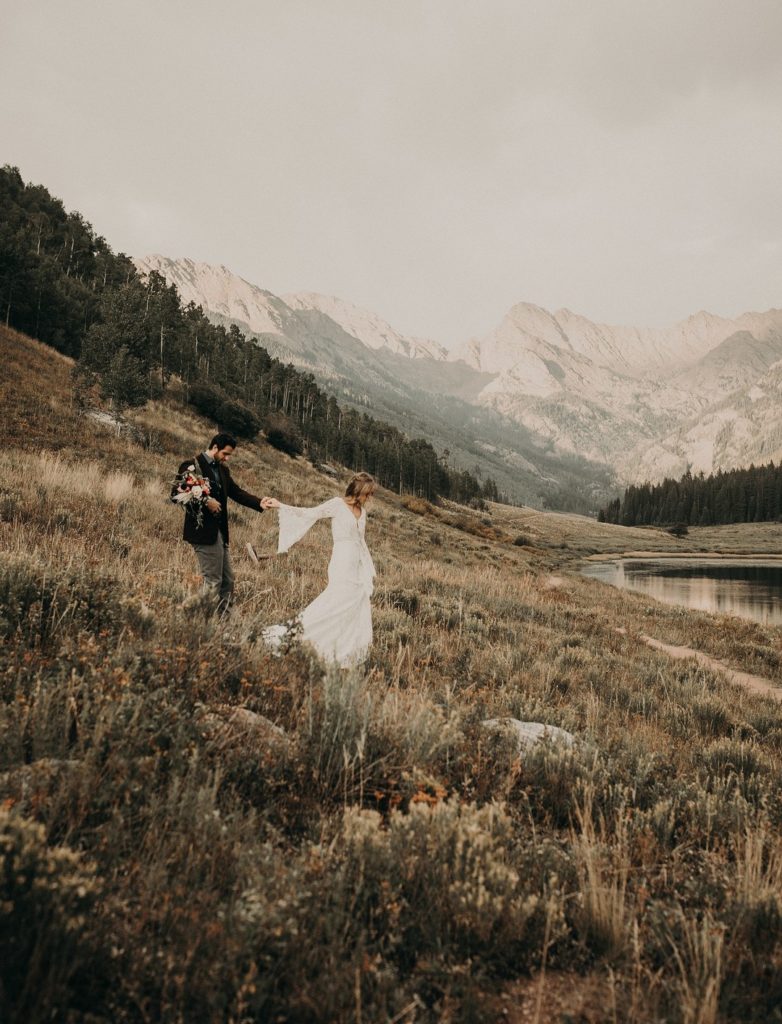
338	623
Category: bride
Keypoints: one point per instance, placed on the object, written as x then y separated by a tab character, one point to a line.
338	623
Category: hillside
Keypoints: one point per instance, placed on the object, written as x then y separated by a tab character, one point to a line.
193	830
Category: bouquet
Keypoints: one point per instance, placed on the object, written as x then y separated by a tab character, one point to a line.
192	491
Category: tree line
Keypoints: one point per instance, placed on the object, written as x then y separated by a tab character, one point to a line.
751	495
60	282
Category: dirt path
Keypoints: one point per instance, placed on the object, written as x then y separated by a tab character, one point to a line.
755	684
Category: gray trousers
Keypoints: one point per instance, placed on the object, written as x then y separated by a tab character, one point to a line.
214	561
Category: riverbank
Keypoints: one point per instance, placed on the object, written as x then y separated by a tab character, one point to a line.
748	557
567	537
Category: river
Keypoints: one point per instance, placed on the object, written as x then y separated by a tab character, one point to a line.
750	587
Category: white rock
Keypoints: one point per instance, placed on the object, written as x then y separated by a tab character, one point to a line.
528	734
234	726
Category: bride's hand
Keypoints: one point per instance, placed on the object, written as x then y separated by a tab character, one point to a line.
269	503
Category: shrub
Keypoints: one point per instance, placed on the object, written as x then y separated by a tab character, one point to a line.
420	506
728	756
447	871
237	418
711	715
469	524
757	894
228	413
47	896
678	530
125	381
355	740
552	775
602	856
207	400
407	601
41	604
84	383
283	434
390	906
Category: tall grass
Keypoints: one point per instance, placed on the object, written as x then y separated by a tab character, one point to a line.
210	833
602	858
697	952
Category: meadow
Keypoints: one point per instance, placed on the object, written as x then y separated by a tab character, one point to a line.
193	830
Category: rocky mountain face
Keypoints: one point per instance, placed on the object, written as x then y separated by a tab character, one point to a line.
643	400
545	400
369	328
406	381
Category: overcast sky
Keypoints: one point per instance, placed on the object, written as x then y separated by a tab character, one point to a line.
436	161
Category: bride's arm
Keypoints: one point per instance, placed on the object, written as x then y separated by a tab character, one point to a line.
295	521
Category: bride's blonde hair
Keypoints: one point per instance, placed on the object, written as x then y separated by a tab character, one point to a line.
360	485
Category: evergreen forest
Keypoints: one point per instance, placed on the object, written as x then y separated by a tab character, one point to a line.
751	495
132	337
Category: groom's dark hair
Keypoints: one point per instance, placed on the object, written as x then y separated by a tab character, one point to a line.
221	441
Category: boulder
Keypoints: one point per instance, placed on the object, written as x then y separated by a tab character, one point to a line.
528	734
237	725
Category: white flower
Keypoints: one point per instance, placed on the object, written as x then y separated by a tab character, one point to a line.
196	491
191	469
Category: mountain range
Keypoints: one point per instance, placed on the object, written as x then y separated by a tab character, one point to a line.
546	402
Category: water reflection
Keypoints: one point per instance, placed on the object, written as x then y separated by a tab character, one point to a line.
750	589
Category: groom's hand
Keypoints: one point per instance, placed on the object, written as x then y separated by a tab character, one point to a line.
214	506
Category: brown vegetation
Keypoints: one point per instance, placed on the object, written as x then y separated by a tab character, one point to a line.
167	855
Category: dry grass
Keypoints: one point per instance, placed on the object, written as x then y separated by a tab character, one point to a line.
387	857
602	856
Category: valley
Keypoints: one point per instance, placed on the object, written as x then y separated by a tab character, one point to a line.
548	404
254	838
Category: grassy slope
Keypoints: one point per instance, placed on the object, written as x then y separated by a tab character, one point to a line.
386	857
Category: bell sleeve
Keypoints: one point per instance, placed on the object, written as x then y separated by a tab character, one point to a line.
295	522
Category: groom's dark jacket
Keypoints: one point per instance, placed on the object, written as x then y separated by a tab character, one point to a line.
220	475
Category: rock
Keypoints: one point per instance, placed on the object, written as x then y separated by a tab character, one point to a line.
527	734
107	419
251	720
553	582
231	726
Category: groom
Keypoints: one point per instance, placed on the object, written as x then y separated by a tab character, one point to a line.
209	537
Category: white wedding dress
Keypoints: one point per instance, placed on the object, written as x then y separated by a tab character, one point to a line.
338	623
